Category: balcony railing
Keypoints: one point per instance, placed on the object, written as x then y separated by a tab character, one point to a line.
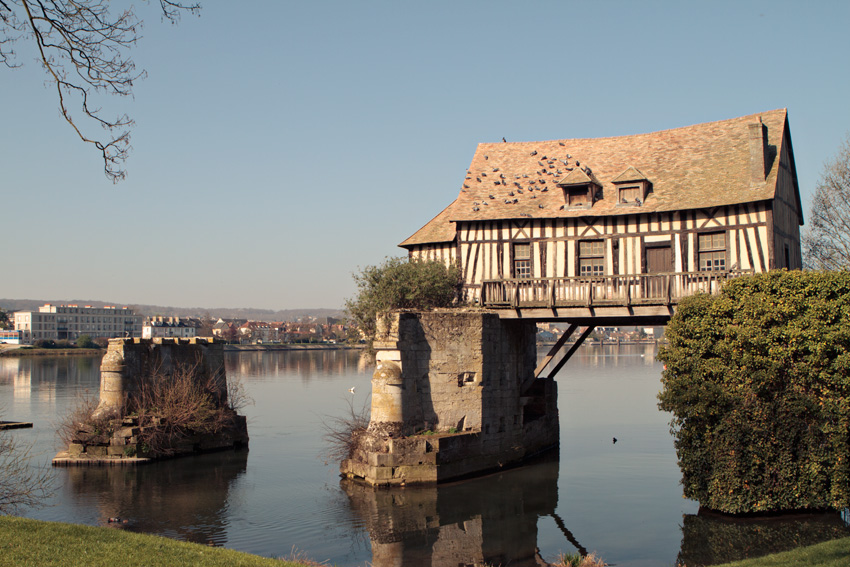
590	291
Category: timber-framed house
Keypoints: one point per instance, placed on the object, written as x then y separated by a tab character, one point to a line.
636	220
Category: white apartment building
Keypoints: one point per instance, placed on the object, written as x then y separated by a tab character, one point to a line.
59	322
167	327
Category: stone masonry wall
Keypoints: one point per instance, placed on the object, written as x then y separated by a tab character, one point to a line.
446	399
127	361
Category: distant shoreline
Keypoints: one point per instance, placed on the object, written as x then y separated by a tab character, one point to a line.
227	348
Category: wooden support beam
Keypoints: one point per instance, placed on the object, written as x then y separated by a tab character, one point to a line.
554	350
570	352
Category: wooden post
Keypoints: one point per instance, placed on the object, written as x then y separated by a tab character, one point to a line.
554	350
570	352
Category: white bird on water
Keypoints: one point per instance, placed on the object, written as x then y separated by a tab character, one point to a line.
352	389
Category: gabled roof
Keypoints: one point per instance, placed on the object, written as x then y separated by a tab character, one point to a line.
695	167
631	174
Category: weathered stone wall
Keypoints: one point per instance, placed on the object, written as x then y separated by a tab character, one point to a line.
457	376
128	361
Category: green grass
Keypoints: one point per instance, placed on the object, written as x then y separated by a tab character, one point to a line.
835	553
25	542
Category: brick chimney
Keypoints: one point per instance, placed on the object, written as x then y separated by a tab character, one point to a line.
757	152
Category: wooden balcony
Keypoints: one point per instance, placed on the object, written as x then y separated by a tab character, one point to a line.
642	296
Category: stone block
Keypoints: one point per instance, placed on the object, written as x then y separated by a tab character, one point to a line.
76	449
115	451
96	450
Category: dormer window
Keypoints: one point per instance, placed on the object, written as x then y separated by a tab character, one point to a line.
632	187
630	195
578	196
581	189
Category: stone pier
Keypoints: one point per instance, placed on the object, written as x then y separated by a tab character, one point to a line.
453	395
111	437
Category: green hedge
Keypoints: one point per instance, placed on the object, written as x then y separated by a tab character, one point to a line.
758	381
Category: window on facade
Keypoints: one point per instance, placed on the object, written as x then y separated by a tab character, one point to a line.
578	196
591	257
522	260
712	251
630	194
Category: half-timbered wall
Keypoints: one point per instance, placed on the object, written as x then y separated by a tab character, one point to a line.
786	217
486	250
445	252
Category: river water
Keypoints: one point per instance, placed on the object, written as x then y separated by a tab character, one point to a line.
620	500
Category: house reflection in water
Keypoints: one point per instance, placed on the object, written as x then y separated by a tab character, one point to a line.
490	520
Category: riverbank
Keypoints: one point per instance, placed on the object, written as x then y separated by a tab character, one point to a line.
29	351
28	542
14	350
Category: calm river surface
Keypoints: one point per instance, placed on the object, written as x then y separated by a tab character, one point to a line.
622	501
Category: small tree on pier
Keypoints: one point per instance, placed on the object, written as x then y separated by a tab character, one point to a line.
400	283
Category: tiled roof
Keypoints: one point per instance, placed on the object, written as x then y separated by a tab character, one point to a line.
694	167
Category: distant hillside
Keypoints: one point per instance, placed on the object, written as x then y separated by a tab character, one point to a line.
10	305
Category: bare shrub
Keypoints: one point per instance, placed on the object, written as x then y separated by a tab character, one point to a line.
579	560
21	484
173	407
82	419
339	432
237	394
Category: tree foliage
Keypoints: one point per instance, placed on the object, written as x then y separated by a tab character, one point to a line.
83	47
827	243
758	381
400	283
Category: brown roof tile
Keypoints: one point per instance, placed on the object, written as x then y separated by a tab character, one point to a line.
700	166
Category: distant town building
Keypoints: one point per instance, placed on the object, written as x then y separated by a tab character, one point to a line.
167	327
68	322
10	337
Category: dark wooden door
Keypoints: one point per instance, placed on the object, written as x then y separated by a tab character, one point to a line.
659	259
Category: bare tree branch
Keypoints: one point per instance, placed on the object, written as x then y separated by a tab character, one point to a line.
83	48
826	244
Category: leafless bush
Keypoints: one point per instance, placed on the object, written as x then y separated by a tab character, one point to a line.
237	394
579	560
21	484
339	432
82	418
173	407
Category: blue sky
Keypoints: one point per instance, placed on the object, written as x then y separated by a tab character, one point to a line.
280	145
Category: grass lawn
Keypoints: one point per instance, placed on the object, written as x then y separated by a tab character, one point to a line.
25	542
835	553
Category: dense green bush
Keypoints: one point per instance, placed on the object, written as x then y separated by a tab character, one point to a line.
85	341
400	283
758	381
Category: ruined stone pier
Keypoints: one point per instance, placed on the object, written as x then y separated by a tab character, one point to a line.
453	395
112	435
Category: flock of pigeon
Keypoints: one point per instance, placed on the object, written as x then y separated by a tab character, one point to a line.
550	170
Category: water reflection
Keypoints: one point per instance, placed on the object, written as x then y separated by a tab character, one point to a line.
268	365
490	520
709	539
185	499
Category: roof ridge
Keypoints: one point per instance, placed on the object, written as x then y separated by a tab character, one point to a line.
678	128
